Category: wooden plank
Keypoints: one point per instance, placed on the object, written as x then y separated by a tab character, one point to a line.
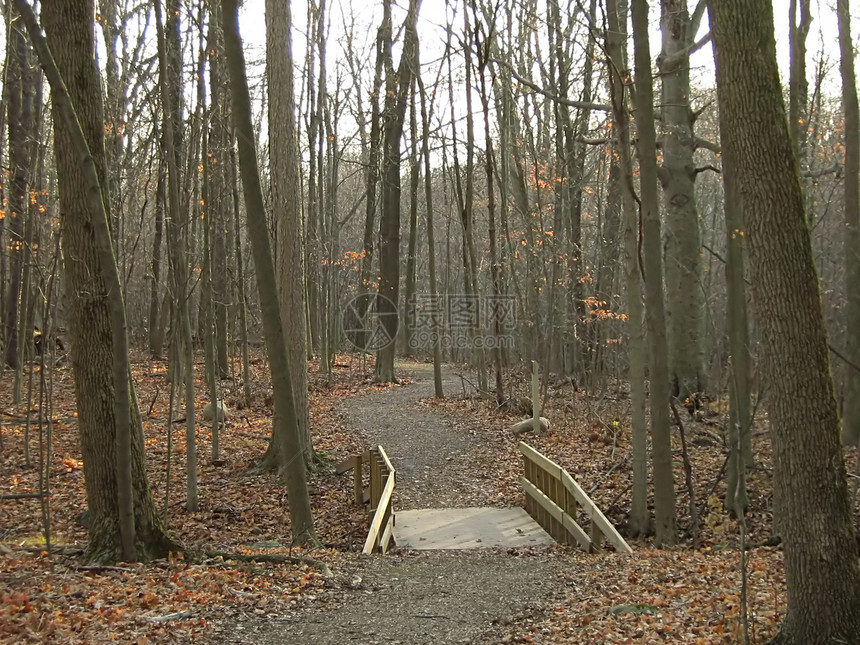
384	456
598	519
376	525
545	503
539	460
375	486
535	399
595	515
347	464
543	507
575	531
386	534
357	483
557	514
596	535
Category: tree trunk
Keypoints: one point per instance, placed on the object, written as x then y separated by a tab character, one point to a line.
100	371
396	95
851	402
284	165
436	326
798	88
20	123
218	205
156	324
408	308
655	318
285	423
812	508
242	299
640	521
169	54
684	297
739	436
495	313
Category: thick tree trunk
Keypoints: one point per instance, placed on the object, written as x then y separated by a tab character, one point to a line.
218	205
69	28
812	508
396	96
284	164
684	296
412	244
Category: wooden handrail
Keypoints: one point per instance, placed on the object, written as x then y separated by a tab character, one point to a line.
552	499
377	495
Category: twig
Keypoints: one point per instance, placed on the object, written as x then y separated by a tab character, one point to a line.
22	496
480	392
719	476
152	403
844	359
688	477
102	567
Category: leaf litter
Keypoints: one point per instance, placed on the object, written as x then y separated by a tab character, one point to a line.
683	594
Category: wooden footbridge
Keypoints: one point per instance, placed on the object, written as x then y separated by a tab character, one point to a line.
556	510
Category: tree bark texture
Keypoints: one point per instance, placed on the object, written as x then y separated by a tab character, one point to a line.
69	29
640	520
396	96
684	296
286	204
20	123
810	490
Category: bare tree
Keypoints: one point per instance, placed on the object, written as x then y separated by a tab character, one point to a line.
851	410
397	86
652	265
284	166
812	508
285	426
123	521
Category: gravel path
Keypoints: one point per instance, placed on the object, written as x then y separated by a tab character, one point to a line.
428	597
426	448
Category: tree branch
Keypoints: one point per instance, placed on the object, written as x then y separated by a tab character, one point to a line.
582	105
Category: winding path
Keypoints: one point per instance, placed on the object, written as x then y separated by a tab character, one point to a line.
426	597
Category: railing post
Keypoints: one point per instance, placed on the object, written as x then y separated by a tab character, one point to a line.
358	488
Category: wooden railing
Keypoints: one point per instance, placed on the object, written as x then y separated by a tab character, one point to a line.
377	495
553	499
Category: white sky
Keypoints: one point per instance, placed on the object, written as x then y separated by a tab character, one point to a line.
822	36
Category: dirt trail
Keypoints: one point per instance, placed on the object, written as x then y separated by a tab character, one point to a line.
427	597
427	450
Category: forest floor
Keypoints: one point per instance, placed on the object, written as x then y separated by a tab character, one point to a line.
458	451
